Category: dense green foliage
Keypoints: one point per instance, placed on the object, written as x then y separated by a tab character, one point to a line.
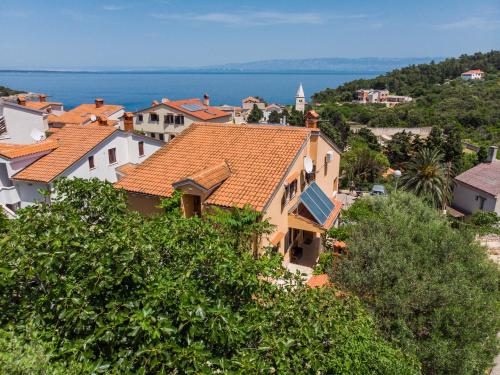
274	117
5	91
86	284
427	177
440	98
255	115
431	287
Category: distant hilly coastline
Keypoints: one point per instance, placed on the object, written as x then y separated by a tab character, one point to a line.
313	65
366	64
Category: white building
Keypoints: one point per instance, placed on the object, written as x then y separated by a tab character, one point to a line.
20	124
300	99
478	189
271	108
248	103
473	74
167	119
91	151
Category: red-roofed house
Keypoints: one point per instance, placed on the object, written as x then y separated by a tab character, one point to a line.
290	174
90	151
473	74
167	119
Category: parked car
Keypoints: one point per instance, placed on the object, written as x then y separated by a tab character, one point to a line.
378	190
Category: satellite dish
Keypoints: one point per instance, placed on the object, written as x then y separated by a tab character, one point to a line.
37	135
93	118
308	164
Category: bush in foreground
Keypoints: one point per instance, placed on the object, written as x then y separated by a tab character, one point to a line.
107	290
432	289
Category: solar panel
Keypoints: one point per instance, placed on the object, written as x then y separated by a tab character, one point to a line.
192	107
317	203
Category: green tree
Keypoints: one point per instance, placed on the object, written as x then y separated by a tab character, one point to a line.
274	117
107	291
452	148
482	154
255	115
363	165
295	118
435	140
431	287
426	176
398	149
369	138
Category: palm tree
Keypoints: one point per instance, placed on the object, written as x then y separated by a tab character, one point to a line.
426	176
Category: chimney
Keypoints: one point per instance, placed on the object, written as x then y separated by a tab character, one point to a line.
99	102
165	100
492	154
102	120
42	98
312	119
206	99
128	121
154	103
21	100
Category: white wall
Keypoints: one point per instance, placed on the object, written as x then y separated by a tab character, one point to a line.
21	121
127	151
168	130
464	198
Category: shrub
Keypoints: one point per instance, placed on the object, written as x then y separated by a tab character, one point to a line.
431	287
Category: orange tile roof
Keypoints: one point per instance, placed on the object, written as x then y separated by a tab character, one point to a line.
207	113
40	105
126	168
318	281
251	99
11	151
211	176
74	142
259	157
81	114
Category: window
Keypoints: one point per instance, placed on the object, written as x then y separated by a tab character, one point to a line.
153	135
112	155
141	148
91	162
161	136
292	189
179	120
172	137
169	119
153	117
140	118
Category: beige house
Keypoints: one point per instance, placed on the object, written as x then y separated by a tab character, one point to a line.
290	174
166	119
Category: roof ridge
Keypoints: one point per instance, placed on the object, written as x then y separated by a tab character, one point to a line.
255	126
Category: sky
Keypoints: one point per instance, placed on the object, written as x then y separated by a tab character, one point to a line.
186	33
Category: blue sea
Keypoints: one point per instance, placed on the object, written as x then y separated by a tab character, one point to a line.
136	90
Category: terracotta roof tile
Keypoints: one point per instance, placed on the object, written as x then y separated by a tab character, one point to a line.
40	105
258	155
211	176
74	142
11	151
81	114
207	113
